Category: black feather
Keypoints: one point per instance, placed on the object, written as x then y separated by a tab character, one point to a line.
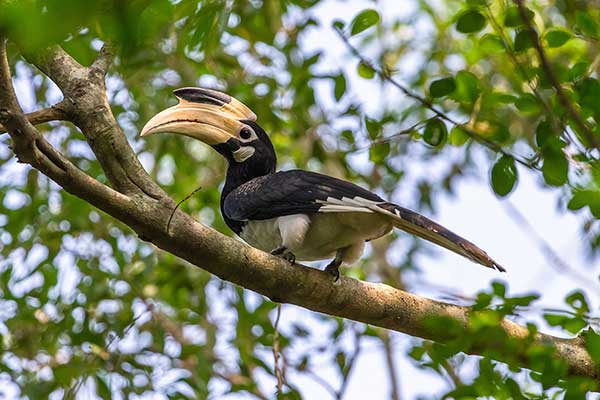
288	192
202	96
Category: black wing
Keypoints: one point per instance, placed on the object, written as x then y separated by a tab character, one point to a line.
286	193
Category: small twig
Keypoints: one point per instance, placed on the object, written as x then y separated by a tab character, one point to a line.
389	139
52	113
99	68
236	379
179	204
389	357
321	381
72	391
348	368
452	374
548	252
150	307
276	354
562	97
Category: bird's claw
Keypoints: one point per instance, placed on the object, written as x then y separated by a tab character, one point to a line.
333	270
284	253
290	257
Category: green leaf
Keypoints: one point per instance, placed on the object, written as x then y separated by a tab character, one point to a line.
373	127
417	353
458	136
528	104
365	71
512	17
442	87
337	24
579	70
523	40
582	198
379	152
586	24
578	302
504	175
499	289
574	325
340	86
467	87
592	343
435	132
555	319
491	44
555	167
364	20
470	21
495	99
348	135
543	132
588	90
557	37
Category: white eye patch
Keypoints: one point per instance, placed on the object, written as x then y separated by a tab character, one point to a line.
247	134
243	153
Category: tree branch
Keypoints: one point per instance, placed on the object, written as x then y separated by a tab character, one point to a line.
30	147
52	113
86	101
146	209
560	93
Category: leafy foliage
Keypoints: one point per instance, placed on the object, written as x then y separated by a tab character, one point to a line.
83	302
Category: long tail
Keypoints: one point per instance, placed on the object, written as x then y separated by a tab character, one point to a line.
425	228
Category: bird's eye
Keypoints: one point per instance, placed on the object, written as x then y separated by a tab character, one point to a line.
245	133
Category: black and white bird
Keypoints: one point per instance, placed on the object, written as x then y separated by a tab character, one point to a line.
299	215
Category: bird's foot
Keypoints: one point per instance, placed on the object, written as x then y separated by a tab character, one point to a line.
290	257
279	250
284	253
334	270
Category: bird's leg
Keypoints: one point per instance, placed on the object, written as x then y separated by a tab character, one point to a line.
279	250
284	253
333	267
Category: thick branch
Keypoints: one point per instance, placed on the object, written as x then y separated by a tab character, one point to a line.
53	113
88	108
30	147
560	93
371	303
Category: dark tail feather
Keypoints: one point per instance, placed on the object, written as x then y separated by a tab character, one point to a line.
425	228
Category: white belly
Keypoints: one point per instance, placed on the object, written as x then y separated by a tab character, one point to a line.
262	234
316	236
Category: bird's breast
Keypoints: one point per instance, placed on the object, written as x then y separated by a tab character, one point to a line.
326	234
262	234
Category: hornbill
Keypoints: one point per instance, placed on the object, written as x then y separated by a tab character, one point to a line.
298	215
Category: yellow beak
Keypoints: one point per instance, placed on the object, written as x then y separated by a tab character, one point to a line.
207	115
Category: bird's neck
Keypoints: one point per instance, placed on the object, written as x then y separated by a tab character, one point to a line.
237	175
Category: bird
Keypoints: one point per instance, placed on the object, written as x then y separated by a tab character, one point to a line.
295	214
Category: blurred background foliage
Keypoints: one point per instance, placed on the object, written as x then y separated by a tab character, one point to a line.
88	310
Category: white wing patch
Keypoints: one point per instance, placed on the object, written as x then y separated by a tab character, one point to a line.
346	204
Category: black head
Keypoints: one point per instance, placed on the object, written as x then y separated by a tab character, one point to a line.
251	150
222	122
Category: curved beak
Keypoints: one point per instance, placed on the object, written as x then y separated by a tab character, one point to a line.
208	115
